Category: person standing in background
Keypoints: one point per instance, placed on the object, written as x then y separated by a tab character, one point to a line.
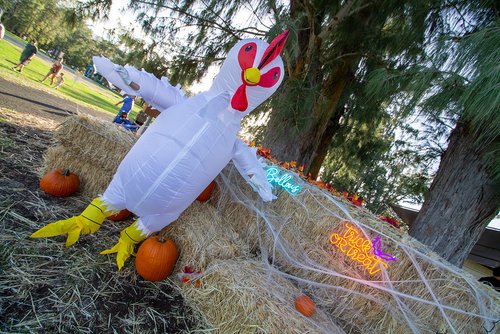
28	53
128	104
54	71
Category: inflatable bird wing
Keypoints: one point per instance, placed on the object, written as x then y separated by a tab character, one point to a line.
158	93
187	146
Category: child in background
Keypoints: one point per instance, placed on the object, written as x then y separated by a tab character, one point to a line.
122	119
60	81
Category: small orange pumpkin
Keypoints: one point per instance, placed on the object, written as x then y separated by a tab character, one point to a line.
156	257
205	195
122	215
60	182
305	305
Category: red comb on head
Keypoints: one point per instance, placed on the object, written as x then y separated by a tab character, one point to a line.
274	49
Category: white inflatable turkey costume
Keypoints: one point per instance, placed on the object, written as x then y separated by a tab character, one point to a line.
186	147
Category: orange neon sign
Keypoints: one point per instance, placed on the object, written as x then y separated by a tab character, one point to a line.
358	249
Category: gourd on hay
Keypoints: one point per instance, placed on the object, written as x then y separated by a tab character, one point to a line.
93	180
244	296
201	236
419	292
92	148
60	182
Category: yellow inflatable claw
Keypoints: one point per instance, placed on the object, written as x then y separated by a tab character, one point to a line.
88	222
129	237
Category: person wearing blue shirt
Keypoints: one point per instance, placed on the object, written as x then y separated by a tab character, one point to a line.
128	104
122	119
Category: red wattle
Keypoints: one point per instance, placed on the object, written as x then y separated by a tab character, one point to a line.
239	101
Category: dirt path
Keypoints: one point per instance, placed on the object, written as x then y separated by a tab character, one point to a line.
37	102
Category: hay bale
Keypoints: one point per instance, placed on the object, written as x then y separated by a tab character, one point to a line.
420	292
202	237
244	296
91	148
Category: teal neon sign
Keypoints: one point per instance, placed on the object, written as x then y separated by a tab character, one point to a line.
283	180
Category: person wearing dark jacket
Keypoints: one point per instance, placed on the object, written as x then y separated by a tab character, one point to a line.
30	50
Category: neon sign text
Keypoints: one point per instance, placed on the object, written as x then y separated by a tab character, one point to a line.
285	181
360	249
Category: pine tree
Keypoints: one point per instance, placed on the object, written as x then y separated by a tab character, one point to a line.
458	84
465	193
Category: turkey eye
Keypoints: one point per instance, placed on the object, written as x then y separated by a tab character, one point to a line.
275	76
248	48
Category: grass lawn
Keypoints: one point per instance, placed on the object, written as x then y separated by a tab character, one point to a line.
75	88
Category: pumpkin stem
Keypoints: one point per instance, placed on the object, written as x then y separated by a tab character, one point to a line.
161	237
65	172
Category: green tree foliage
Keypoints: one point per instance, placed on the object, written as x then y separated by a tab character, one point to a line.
41	18
457	89
142	54
384	169
79	46
55	26
192	35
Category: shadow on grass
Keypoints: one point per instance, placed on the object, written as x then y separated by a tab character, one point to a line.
66	112
52	109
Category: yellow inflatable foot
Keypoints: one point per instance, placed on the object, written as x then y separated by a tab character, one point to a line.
129	237
88	222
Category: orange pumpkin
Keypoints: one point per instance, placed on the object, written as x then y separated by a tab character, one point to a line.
122	215
60	182
305	305
205	195
156	257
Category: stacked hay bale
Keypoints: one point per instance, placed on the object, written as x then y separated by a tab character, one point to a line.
420	292
91	148
244	296
256	257
202	237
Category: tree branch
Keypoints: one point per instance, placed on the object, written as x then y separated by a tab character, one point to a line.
211	23
344	12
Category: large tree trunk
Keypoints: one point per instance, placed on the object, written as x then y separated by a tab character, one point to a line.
313	151
309	144
324	144
302	126
462	199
